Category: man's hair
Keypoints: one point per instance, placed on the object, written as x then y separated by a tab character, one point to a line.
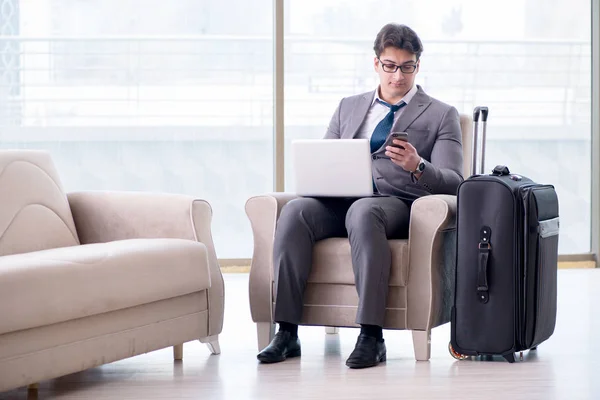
399	36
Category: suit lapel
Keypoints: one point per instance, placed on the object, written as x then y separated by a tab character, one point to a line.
360	113
417	105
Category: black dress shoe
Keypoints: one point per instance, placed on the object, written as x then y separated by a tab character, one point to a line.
281	347
368	352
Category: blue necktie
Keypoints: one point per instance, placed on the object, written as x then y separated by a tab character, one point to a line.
382	130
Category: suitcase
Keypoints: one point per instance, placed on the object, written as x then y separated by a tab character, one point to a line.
506	260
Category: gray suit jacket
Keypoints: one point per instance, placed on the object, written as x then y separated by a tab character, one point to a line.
433	128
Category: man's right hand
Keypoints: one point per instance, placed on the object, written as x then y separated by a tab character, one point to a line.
407	158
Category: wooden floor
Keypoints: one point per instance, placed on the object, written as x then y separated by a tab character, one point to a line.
567	366
234	267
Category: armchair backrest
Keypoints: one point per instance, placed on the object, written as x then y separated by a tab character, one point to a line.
34	210
466	126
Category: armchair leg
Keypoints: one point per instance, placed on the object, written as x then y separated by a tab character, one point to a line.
265	332
178	352
212	342
422	345
332	330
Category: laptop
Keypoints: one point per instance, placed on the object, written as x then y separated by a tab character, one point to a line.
332	167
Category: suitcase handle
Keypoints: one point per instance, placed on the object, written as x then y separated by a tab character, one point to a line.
501	170
484	113
477	168
484	252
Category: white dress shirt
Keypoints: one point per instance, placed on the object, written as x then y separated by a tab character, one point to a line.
378	111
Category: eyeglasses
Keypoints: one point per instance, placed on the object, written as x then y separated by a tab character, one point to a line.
392	68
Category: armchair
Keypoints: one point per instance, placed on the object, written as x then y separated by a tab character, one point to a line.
422	271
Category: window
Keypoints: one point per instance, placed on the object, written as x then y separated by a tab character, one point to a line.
146	95
177	97
528	60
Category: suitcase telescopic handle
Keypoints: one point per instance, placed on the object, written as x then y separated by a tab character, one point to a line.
476	167
483	110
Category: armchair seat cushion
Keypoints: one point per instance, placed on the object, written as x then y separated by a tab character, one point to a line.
62	284
332	262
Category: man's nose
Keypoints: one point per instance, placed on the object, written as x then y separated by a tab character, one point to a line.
398	75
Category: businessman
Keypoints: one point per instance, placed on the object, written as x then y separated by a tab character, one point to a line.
429	163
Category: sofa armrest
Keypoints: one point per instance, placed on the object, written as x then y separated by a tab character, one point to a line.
432	260
263	212
109	216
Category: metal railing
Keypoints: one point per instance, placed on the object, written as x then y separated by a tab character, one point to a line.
183	81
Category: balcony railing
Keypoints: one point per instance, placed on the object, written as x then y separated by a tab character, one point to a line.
194	81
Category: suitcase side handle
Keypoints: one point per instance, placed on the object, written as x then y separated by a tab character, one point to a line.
484	252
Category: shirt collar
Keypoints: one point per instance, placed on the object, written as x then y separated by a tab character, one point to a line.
406	99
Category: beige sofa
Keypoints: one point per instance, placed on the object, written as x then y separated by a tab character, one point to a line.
422	271
93	277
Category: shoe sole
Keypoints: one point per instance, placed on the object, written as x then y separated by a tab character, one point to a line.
383	358
267	360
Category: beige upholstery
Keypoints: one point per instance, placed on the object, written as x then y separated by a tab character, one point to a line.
332	262
144	277
422	271
31	196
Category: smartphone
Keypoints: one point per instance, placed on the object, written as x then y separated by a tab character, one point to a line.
398	136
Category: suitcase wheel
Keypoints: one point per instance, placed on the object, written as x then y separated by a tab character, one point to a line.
455	354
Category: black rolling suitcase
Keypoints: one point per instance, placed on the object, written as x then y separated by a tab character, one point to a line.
506	266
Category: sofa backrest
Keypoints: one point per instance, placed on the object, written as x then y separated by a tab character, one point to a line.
34	211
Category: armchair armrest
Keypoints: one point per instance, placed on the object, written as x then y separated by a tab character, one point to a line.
109	216
432	261
263	212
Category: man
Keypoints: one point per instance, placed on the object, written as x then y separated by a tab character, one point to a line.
429	163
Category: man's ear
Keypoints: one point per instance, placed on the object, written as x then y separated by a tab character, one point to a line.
375	64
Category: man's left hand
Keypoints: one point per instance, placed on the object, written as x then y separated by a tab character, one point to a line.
407	158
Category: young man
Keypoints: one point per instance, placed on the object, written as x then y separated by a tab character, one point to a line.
429	163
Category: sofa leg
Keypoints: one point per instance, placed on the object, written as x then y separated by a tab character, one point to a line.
265	332
212	342
422	344
178	352
332	330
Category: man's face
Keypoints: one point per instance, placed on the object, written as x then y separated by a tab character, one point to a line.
394	85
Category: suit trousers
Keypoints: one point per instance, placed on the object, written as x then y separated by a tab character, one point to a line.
367	222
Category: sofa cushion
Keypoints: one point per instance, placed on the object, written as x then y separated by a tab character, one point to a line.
332	262
51	286
34	211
